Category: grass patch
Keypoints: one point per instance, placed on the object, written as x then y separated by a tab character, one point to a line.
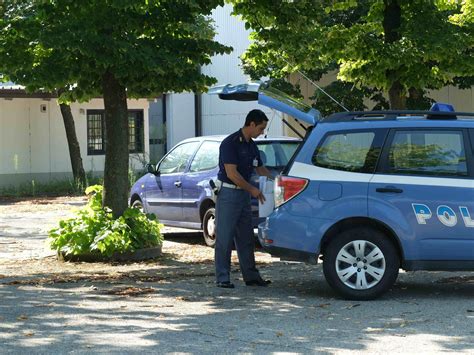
53	188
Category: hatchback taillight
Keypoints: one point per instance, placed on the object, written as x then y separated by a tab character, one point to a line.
287	187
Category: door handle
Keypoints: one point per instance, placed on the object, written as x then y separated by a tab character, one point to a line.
177	183
389	189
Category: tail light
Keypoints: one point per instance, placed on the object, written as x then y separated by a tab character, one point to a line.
287	187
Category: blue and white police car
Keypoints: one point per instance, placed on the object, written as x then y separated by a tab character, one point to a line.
372	192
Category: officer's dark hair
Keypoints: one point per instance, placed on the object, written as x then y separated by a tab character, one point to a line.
256	116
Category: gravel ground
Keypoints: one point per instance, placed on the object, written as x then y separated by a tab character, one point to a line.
171	305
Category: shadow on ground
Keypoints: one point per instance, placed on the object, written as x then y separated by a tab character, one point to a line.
180	309
188	237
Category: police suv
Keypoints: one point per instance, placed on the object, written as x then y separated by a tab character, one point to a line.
372	192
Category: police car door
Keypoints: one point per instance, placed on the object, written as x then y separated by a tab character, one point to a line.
424	190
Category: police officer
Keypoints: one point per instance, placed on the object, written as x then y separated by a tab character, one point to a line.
238	157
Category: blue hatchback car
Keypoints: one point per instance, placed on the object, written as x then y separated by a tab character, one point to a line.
177	190
372	192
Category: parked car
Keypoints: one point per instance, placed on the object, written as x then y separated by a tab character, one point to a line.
177	190
373	192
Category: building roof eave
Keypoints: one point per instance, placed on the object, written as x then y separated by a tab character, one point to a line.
22	94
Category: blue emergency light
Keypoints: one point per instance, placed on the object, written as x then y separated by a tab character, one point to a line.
442	107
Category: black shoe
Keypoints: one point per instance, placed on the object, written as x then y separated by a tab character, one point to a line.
225	284
258	282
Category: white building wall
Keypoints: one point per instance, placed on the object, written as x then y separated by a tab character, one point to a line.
14	137
220	116
33	144
180	118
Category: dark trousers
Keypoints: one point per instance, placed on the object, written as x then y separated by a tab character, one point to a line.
234	223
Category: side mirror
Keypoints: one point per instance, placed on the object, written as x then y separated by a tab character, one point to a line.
152	169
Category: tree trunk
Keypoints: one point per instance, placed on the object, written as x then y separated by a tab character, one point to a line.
396	96
115	195
74	148
392	18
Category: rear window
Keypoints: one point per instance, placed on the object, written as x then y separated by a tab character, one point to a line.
439	153
276	154
347	151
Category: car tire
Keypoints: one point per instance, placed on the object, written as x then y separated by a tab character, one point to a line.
361	263
209	227
138	205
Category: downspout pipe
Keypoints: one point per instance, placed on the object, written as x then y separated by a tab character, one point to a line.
197	114
198	111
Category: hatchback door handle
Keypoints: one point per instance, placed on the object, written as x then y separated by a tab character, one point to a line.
177	183
389	189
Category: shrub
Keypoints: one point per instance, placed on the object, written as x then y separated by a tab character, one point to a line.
95	230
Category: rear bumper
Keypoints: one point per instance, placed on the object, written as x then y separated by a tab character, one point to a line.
284	253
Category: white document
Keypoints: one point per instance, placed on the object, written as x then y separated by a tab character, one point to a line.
266	186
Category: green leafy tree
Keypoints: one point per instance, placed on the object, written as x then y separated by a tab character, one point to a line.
398	47
116	49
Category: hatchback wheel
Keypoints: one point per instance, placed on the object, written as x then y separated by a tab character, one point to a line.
209	227
361	263
138	205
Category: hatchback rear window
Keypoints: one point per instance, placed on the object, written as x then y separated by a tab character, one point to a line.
345	151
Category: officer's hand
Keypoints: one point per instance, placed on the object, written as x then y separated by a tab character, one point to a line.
258	195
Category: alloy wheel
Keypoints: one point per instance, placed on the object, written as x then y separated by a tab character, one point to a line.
360	264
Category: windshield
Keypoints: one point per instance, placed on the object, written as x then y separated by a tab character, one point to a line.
276	154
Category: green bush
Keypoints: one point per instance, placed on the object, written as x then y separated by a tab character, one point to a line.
95	230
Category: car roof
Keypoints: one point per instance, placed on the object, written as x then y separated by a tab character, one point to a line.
220	138
390	115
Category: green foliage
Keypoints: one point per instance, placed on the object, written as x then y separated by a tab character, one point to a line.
428	46
418	101
150	47
287	88
349	95
111	49
95	230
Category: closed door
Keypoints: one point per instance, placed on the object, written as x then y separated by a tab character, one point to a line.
164	190
425	191
204	166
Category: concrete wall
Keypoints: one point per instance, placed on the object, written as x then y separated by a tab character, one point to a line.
462	100
33	144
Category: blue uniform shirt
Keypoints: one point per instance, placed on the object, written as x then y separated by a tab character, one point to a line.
235	150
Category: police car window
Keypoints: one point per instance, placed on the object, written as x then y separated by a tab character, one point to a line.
206	158
345	151
177	159
432	153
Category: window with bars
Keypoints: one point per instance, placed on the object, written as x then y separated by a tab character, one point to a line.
96	132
